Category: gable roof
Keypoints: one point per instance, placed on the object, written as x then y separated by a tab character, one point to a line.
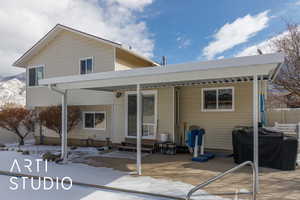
21	62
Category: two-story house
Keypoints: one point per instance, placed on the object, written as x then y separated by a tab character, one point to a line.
104	80
64	51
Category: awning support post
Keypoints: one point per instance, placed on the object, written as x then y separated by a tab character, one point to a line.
255	128
64	127
139	131
64	122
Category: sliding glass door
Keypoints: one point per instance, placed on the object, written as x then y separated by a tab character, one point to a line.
149	114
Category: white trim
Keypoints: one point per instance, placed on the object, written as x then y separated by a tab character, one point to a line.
138	129
27	75
217	103
145	92
284	109
115	59
255	129
173	118
85	58
93	112
113	114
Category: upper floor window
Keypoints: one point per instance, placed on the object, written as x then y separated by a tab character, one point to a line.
218	99
86	65
34	75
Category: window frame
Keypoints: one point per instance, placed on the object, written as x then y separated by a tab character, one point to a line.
143	92
217	100
27	75
85	58
94	112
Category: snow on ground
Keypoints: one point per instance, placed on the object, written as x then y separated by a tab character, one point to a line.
74	154
77	154
86	174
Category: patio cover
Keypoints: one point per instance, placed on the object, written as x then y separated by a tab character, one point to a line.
238	69
223	70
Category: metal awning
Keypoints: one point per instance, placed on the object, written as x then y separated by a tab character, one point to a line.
249	68
216	71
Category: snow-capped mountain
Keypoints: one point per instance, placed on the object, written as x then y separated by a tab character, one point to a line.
13	89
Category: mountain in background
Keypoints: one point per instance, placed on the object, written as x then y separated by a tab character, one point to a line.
13	89
21	77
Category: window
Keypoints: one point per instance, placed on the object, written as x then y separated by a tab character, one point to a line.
218	99
94	120
86	65
35	74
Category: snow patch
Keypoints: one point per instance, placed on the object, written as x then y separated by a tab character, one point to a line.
92	175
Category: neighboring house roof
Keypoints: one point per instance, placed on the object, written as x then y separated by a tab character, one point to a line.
21	62
223	70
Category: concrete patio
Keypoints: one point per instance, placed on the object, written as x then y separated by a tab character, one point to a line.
274	184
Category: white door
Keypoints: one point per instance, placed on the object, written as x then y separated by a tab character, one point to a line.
149	114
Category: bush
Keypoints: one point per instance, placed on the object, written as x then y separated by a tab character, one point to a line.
17	120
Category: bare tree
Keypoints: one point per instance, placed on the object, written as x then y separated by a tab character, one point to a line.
18	121
50	117
288	78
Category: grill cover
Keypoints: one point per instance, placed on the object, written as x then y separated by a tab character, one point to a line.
275	150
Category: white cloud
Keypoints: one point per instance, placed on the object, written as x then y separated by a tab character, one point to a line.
297	3
183	42
237	32
133	4
22	23
265	46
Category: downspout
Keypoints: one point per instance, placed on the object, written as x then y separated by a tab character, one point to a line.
64	124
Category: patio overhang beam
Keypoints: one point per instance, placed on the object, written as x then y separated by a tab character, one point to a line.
179	84
235	68
172	79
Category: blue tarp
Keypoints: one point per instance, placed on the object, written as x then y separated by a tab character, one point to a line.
262	110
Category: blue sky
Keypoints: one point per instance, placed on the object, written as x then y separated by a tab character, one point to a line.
174	23
183	31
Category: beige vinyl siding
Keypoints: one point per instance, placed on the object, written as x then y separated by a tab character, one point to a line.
42	96
119	117
125	61
61	58
122	65
80	133
165	112
218	125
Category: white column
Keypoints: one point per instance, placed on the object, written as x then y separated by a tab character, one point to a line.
139	131
64	126
173	118
255	127
259	99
